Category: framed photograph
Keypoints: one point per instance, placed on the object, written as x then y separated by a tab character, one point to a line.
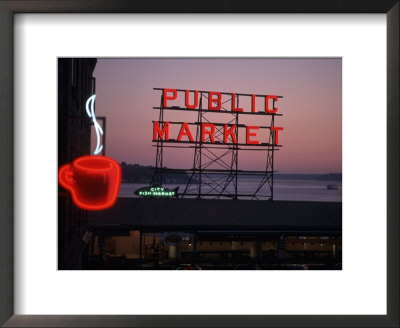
148	146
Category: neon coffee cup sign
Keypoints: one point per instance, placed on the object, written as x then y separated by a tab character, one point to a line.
92	180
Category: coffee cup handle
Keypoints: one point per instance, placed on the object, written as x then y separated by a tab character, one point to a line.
66	176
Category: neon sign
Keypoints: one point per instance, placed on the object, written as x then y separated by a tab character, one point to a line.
215	100
157	192
215	103
93	181
99	130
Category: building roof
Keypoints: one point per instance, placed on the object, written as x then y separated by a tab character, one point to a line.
201	214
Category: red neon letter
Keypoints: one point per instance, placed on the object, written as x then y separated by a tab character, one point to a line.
267	109
185	131
211	100
166	98
160	133
234	109
230	132
210	132
276	130
196	99
253	103
250	134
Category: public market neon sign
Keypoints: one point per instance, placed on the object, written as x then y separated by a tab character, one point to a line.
161	130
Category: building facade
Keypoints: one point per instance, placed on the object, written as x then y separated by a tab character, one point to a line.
75	85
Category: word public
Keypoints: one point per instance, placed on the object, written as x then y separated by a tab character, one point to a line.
215	103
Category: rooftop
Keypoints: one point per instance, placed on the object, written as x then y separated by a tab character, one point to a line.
244	215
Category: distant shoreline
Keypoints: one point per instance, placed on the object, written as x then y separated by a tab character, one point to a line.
318	177
143	174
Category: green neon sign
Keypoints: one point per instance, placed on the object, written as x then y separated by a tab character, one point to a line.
158	192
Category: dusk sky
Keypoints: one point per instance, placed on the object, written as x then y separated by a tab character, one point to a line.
311	107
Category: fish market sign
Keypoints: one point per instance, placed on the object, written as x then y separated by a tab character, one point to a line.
157	192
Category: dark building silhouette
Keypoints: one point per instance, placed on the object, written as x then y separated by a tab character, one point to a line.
75	85
156	233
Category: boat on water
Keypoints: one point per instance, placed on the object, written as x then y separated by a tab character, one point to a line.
331	186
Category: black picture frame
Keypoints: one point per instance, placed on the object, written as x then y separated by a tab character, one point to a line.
10	7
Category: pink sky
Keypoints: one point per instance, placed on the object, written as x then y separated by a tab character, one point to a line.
311	106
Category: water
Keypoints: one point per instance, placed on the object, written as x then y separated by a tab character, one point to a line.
301	190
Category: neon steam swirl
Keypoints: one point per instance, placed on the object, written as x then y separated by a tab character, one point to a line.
99	130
